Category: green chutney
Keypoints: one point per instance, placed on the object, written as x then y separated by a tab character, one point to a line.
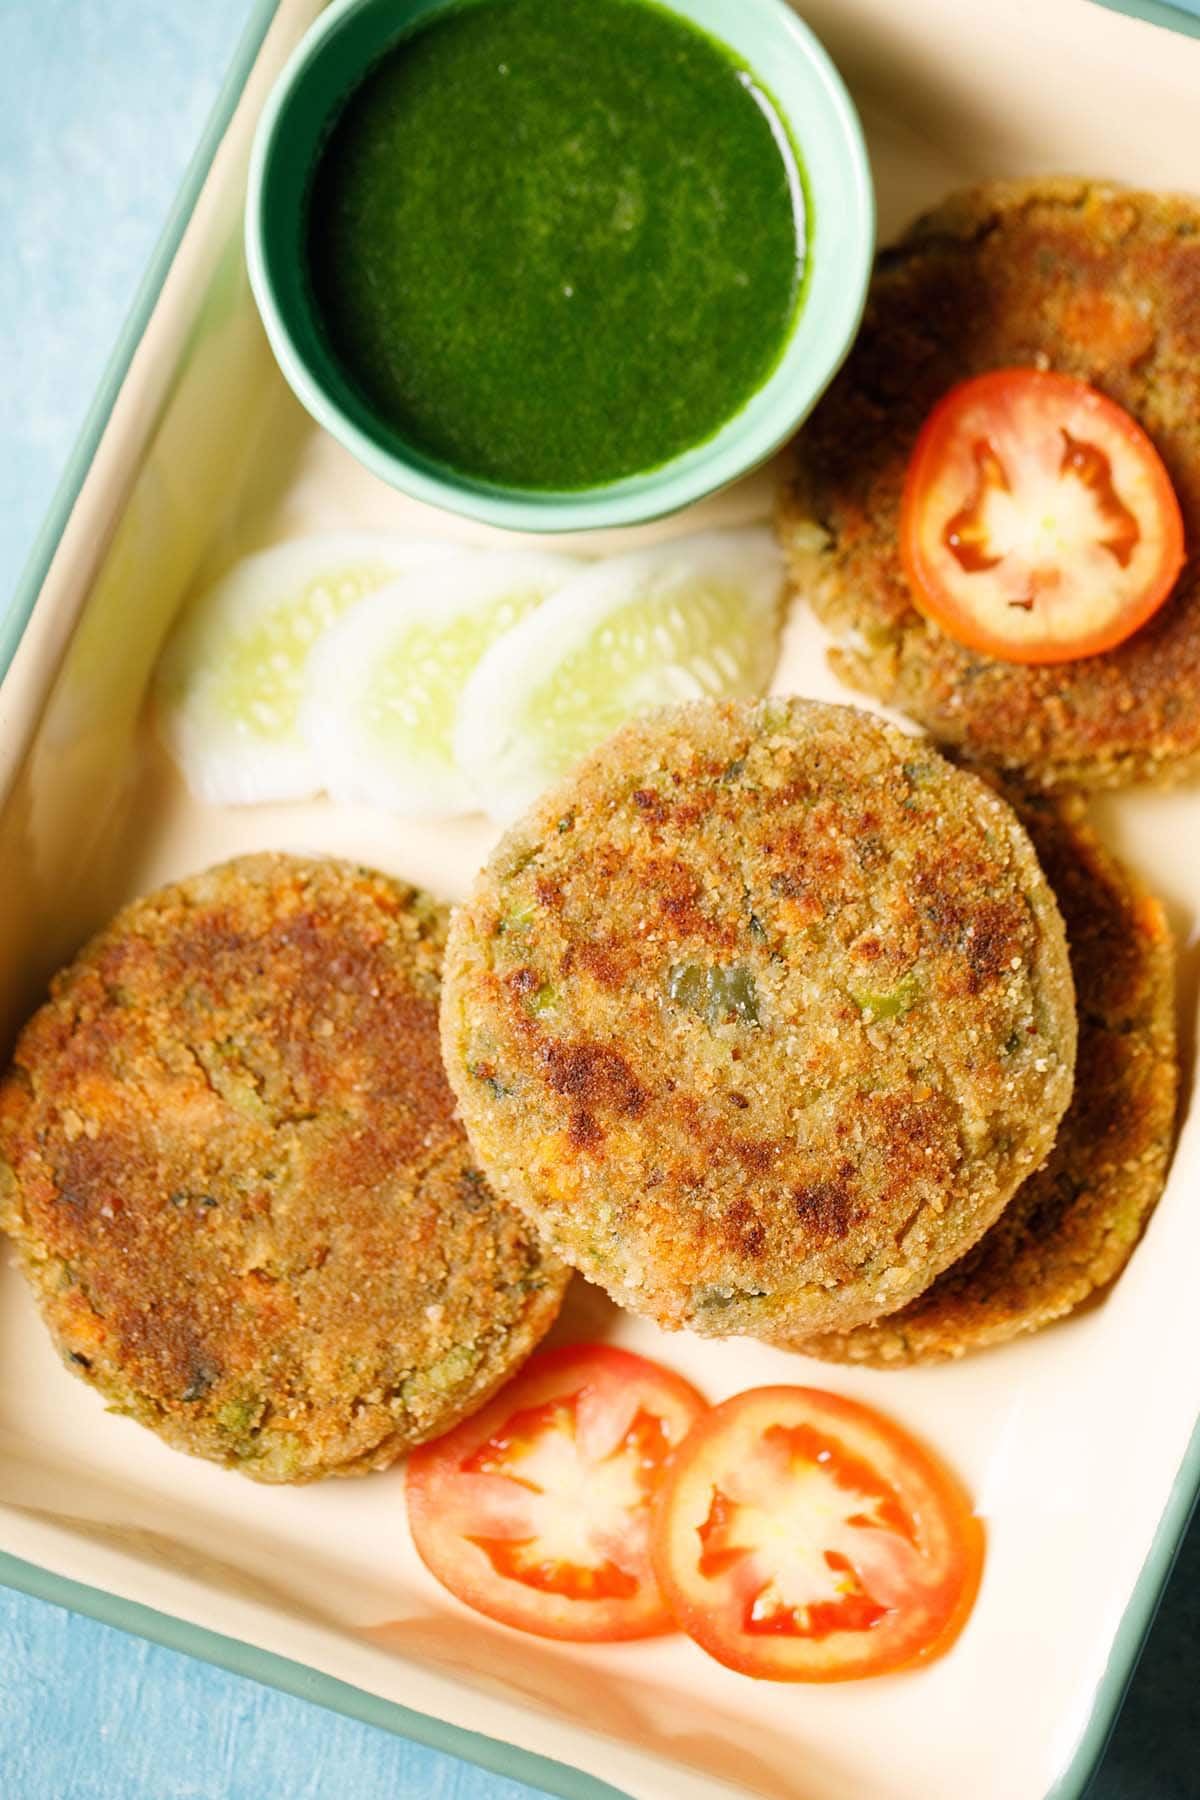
556	242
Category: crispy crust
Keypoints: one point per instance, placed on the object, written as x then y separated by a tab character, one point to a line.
1072	1227
761	1016
229	1158
1101	283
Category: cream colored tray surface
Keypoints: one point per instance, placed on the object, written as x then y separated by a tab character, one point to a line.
1071	1441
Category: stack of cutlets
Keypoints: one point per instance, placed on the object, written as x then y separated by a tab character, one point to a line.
771	1020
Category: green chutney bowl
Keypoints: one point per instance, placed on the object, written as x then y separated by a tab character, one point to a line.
809	96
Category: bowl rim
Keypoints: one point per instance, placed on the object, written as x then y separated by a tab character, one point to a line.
738	446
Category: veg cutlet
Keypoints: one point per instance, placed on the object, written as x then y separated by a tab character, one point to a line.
761	1016
1096	282
230	1162
1073	1225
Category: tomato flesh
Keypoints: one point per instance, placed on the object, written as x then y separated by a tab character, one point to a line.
801	1537
1038	523
536	1511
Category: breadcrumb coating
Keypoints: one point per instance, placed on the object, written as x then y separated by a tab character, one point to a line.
761	1016
230	1162
1098	282
1071	1228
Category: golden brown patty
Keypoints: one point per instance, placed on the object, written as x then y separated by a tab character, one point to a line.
237	1184
761	1016
1096	282
1071	1228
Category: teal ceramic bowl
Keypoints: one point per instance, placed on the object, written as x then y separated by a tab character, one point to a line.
809	96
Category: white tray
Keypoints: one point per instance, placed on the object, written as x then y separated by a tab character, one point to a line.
1076	1443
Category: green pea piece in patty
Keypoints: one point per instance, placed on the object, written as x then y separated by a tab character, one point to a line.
556	245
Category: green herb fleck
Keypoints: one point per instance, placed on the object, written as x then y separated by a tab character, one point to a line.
714	1299
516	920
237	1417
479	1072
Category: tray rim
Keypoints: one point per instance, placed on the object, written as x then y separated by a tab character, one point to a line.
250	1661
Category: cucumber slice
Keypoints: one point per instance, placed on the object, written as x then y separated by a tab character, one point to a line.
230	681
696	617
384	684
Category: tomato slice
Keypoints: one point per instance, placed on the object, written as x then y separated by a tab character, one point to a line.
802	1537
1038	523
536	1511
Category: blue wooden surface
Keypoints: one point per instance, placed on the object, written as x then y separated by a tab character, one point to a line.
100	104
